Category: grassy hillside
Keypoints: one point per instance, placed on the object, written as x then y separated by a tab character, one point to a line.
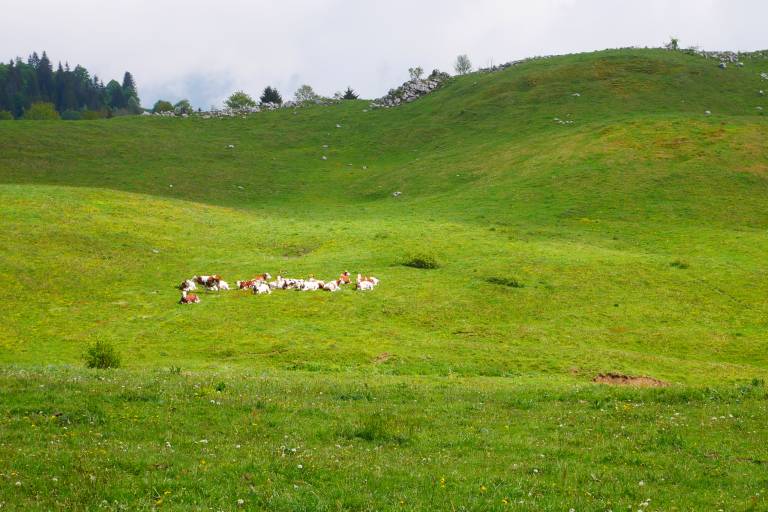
637	232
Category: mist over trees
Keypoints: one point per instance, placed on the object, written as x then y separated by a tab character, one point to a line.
70	91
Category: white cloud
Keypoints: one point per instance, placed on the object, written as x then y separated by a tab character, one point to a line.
204	50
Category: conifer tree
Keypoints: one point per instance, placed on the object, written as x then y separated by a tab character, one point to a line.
271	95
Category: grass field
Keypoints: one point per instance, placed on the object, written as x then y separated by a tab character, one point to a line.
636	236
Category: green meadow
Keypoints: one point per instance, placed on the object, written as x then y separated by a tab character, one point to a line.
631	240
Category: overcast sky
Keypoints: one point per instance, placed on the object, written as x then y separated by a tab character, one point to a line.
204	50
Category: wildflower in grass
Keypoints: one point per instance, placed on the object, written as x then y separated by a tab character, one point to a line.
240	502
483	488
505	501
442	481
300	466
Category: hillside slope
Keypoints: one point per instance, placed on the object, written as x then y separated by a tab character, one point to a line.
103	218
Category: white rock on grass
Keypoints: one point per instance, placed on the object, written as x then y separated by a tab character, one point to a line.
397	194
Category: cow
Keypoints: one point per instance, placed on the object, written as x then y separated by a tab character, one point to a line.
187	285
363	284
244	285
210	282
332	286
261	287
223	285
311	285
188	298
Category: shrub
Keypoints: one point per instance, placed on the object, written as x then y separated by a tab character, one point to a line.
424	261
41	112
5	115
239	100
162	106
102	355
71	115
183	107
511	282
680	264
90	115
415	73
305	94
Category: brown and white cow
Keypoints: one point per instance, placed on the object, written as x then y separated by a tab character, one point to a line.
188	298
210	282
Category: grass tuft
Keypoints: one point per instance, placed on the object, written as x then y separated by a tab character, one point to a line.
102	355
422	261
510	282
681	264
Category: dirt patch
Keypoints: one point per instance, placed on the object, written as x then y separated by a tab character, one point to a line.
617	379
382	358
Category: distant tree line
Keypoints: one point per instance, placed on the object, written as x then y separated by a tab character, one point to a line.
33	89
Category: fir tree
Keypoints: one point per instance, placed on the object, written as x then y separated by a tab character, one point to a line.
271	95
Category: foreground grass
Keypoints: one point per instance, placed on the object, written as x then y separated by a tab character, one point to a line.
174	440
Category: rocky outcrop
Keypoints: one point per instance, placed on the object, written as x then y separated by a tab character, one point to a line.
411	90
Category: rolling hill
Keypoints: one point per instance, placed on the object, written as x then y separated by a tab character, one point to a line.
587	215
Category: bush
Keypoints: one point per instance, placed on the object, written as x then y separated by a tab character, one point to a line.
506	281
305	94
41	112
102	355
90	115
71	115
183	107
5	115
239	100
162	106
424	261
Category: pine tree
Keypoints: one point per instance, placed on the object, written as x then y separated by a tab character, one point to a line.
271	95
129	86
45	79
350	94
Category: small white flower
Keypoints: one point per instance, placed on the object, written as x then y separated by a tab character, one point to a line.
237	446
300	466
55	479
240	502
18	484
641	483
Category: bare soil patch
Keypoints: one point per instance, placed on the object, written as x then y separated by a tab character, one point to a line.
617	379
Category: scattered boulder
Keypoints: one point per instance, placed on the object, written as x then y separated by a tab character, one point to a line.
707	113
723	65
324	157
397	194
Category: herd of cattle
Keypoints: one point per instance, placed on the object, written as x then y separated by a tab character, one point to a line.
261	284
